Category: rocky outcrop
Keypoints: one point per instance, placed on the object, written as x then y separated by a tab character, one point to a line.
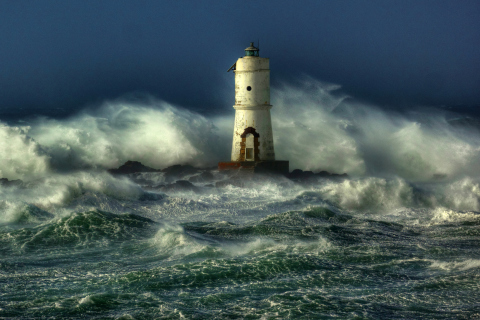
181	177
307	177
300	175
326	174
132	167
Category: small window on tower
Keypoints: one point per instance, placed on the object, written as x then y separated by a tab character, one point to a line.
249	153
249	88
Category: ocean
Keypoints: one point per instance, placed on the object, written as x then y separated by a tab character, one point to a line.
396	239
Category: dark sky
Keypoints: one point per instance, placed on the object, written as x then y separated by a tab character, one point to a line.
57	57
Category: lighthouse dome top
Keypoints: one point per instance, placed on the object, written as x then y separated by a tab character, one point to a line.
251	51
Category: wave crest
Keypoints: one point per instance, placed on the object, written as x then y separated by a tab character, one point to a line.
84	229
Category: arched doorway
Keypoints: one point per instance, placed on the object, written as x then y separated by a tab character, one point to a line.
249	150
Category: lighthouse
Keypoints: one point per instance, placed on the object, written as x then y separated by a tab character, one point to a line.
252	145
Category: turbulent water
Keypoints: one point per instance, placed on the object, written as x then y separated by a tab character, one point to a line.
398	239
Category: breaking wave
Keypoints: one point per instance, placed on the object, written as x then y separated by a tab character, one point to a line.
315	128
61	190
21	157
155	133
319	128
83	229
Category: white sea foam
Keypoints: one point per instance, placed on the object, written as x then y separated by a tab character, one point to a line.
441	215
318	128
456	265
315	128
369	193
59	190
447	201
309	135
21	157
85	300
266	245
18	211
176	242
173	240
463	194
155	133
11	211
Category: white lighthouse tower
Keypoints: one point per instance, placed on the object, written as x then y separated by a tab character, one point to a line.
252	144
252	133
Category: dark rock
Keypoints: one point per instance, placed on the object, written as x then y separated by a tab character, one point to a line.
300	176
210	168
295	174
11	183
326	174
132	167
323	174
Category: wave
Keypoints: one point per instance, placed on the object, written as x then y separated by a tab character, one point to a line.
397	199
155	133
19	212
286	228
290	231
456	265
21	156
316	127
81	229
369	194
384	195
57	192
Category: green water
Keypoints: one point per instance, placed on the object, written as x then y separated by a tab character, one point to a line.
317	263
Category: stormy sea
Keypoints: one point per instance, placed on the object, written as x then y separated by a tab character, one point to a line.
397	237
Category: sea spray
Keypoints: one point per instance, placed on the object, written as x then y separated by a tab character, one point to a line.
309	135
373	194
315	128
21	157
155	133
59	194
319	128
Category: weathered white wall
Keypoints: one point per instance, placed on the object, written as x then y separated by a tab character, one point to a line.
253	72
252	108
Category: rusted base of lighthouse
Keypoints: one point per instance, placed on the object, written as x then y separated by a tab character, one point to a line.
274	166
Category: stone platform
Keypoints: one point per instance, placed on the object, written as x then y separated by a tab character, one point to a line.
279	167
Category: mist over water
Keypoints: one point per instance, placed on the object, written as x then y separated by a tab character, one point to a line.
396	239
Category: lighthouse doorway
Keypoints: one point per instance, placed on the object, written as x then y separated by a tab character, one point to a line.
249	153
249	150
